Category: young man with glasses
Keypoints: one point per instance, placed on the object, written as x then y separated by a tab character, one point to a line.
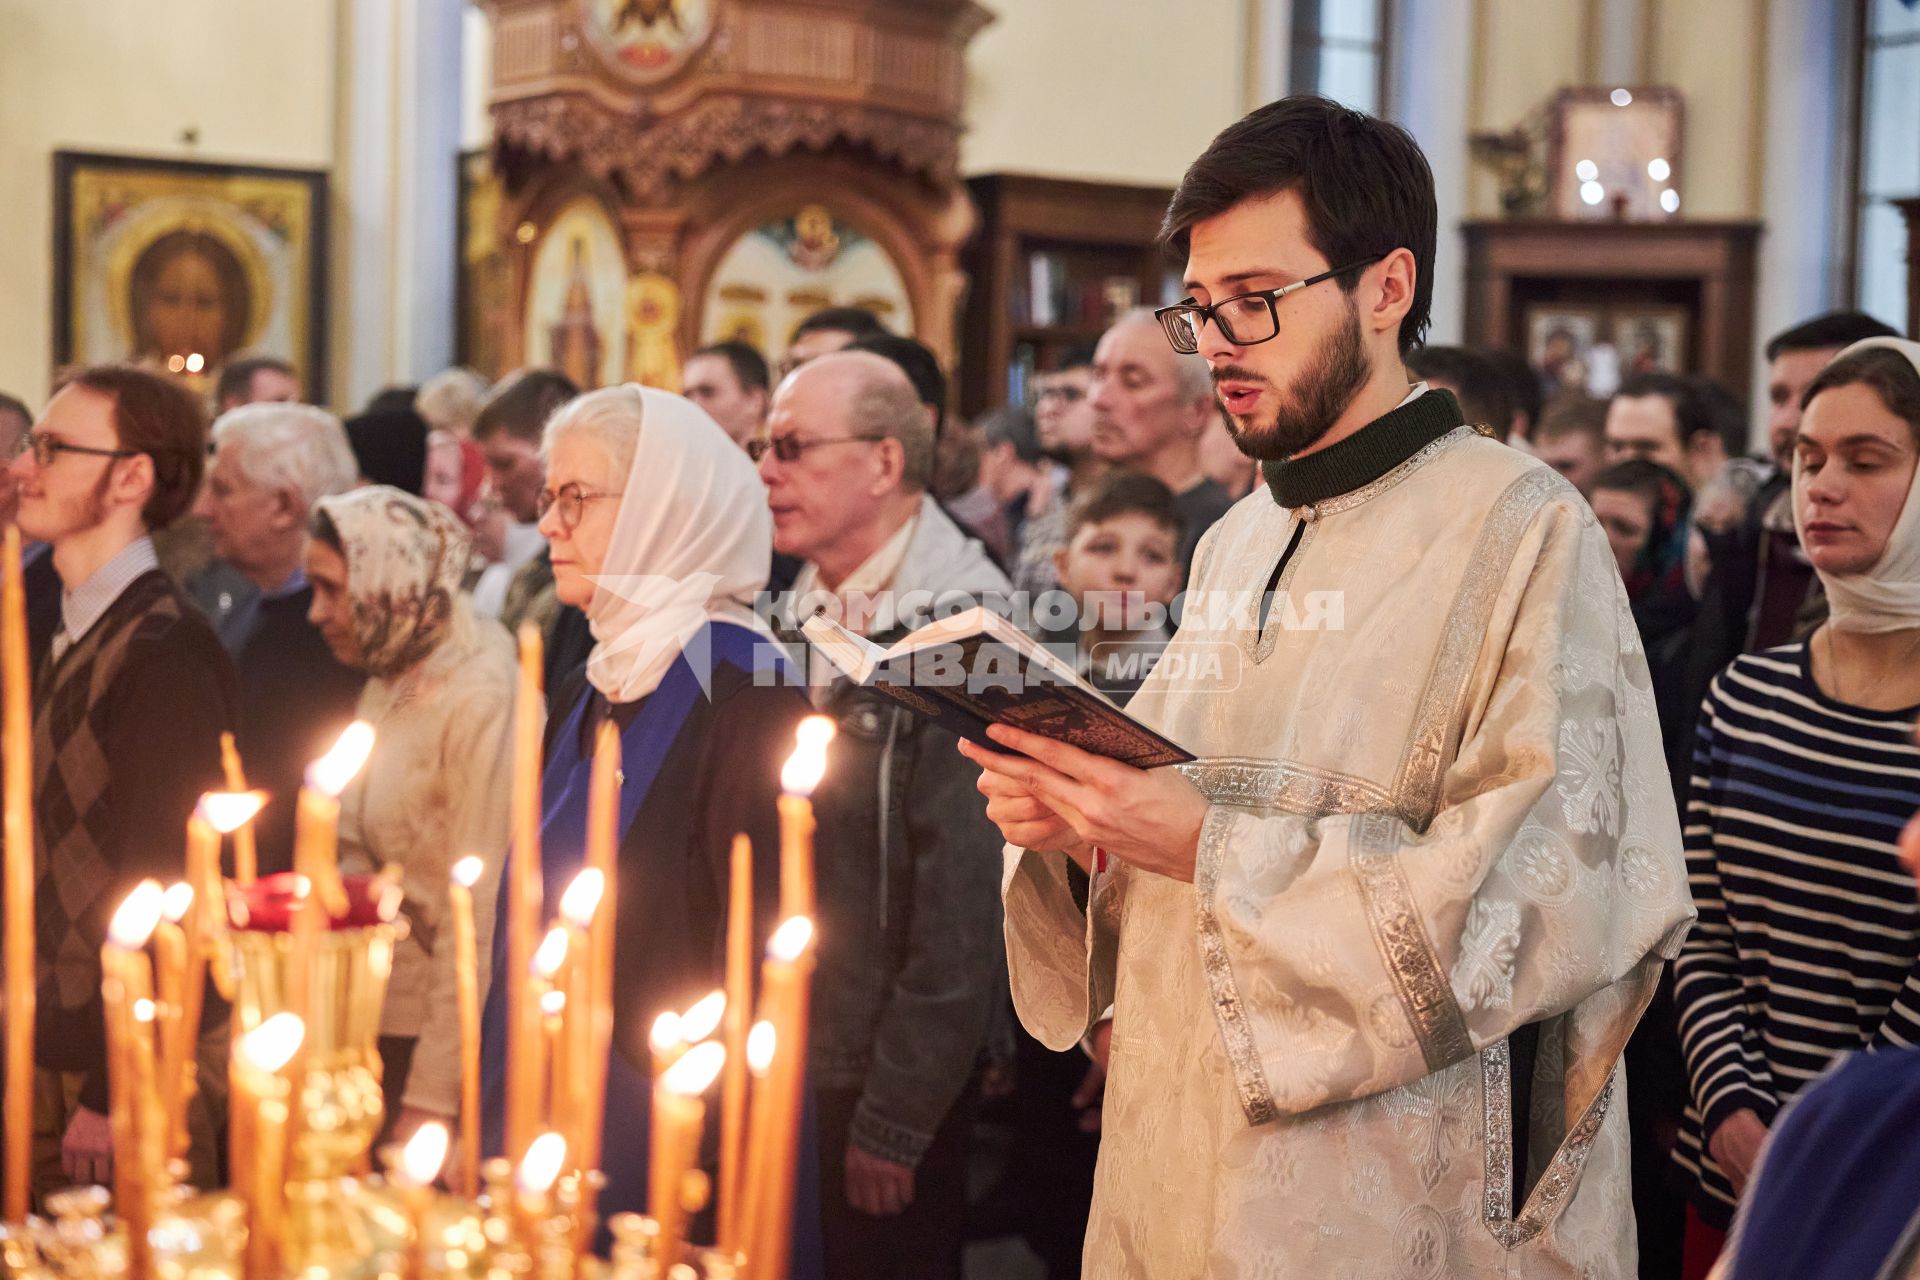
128	713
1373	959
1063	419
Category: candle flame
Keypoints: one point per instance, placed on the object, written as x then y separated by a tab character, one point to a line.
760	1045
701	1019
791	939
666	1032
139	912
331	773
271	1045
553	1003
695	1073
808	763
228	811
425	1152
552	953
466	872
545	1155
582	897
302	886
143	1011
176	902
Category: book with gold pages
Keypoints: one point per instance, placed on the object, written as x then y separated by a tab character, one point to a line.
975	669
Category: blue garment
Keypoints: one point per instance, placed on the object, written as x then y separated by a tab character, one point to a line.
645	744
1840	1180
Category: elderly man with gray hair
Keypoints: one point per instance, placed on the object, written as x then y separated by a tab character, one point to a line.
908	898
1151	408
271	463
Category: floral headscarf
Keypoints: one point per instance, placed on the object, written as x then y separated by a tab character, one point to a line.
405	561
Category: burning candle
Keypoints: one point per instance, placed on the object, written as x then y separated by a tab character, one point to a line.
127	984
217	814
578	907
784	994
802	773
16	730
466	966
546	964
703	1017
523	902
664	1040
546	1155
733	1090
170	948
678	1116
246	862
762	1042
603	835
419	1165
259	1134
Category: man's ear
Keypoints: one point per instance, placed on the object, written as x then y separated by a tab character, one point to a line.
1395	278
289	507
890	463
134	483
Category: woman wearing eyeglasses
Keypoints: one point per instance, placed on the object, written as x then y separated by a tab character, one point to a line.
386	569
660	533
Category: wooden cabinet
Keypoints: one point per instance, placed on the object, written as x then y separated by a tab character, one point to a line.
1704	270
1050	264
1910	207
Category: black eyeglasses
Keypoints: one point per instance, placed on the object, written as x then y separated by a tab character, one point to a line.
1245	320
792	448
1064	391
572	501
46	448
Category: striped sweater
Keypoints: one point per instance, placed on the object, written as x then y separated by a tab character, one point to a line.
1808	942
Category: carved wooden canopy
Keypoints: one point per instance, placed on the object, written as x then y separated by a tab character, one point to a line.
648	95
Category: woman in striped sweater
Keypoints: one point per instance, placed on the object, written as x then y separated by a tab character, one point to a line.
1804	773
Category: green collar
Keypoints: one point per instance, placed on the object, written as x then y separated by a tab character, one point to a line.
1364	456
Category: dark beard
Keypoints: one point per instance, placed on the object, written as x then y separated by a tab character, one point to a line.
1337	372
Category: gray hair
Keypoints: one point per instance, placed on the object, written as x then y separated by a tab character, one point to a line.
609	418
288	446
450	400
884	403
1190	372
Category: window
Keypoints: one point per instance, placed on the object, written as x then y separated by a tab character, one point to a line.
1339	48
1889	157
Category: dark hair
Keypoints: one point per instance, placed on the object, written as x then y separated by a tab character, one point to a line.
1524	395
1890	374
236	377
235	297
326	533
1691	414
390	447
1077	356
521	405
1475	383
857	321
1012	424
1662	561
1831	331
749	366
154	415
1122	493
1729	416
918	362
1365	185
392	399
1571	413
10	404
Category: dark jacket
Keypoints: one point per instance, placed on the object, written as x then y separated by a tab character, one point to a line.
908	870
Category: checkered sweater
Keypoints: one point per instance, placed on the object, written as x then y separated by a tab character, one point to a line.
126	735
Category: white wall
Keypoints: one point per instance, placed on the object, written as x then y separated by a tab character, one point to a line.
1116	90
254	77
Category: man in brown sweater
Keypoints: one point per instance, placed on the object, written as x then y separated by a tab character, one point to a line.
128	712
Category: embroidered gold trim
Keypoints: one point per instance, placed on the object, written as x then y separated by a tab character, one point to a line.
1434	735
1252	783
1256	1096
1563	1171
1353	498
1405	950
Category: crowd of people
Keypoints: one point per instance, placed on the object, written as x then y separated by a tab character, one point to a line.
275	573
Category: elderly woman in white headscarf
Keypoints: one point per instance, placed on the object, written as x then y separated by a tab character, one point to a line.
1804	774
386	569
660	533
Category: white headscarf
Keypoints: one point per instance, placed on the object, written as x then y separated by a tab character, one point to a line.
692	541
1887	596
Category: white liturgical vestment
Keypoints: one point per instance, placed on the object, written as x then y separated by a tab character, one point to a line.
1439	817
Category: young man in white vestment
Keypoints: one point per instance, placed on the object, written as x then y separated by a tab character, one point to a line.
1372	959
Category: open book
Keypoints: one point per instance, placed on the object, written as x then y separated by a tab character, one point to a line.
976	669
